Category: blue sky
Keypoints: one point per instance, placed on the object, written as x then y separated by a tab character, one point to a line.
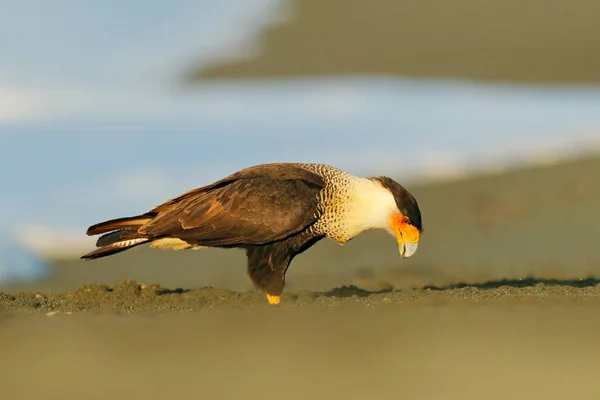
94	125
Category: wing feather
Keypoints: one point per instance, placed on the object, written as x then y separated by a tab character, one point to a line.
250	208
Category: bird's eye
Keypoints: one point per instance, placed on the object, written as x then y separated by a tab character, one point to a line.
406	220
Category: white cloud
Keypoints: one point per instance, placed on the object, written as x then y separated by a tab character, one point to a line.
20	104
442	165
560	146
17	263
48	242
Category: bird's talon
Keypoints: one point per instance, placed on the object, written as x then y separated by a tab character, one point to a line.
273	299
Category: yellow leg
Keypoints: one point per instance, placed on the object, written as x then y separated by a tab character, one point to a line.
272	299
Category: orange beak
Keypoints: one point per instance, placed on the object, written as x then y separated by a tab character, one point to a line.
407	235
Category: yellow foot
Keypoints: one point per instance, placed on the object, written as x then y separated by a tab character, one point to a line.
273	299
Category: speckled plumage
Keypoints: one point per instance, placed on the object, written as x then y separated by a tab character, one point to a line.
273	211
333	201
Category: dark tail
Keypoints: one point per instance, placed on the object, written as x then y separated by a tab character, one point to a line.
122	235
119	223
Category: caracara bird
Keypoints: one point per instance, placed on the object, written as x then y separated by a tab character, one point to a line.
273	211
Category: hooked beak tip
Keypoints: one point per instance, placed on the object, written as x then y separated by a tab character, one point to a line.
407	249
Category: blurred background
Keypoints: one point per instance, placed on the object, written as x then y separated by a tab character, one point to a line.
489	112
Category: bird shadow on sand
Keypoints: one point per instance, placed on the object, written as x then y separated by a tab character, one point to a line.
354	291
520	283
163	291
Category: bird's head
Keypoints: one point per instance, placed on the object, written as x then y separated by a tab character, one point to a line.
403	219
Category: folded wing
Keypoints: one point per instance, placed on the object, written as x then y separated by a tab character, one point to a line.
247	209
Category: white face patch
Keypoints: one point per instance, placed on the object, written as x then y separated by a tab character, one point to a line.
371	206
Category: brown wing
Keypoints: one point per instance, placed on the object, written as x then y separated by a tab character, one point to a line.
254	206
278	171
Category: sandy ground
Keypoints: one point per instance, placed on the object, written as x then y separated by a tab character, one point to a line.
522	339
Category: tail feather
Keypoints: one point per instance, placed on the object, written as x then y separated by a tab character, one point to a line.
118	223
114	248
118	235
122	234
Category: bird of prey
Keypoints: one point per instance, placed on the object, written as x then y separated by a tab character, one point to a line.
274	212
